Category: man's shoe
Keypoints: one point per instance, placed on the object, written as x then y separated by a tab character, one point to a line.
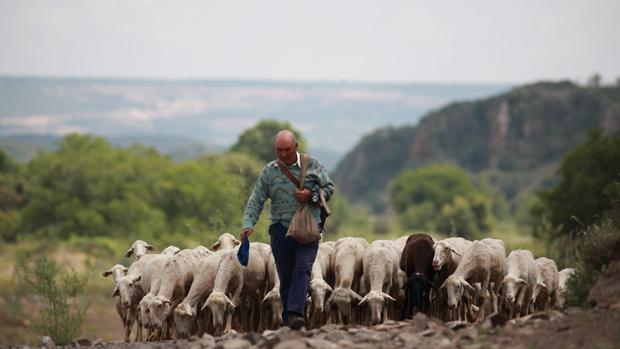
295	322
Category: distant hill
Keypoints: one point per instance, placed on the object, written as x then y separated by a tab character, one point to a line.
333	116
517	137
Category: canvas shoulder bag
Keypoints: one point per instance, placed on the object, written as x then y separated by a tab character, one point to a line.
303	228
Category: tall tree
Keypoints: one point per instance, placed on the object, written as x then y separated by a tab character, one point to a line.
258	140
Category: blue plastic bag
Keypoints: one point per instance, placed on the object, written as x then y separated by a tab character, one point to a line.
243	254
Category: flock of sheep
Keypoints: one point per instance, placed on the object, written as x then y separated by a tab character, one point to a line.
180	293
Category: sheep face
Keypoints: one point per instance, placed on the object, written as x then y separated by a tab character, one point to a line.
416	288
225	241
117	272
218	304
144	311
455	288
139	248
376	300
441	256
273	304
126	290
341	300
511	287
159	308
185	320
319	289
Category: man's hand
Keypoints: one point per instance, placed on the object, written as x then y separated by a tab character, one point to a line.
245	232
303	195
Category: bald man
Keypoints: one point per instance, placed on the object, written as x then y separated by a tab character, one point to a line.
293	260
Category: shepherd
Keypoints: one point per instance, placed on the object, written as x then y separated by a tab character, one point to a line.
277	182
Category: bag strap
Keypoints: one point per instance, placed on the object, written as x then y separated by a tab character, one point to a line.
302	174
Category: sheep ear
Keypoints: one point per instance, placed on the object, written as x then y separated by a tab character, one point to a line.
129	252
329	288
230	302
215	246
388	297
443	285
107	273
165	301
115	293
543	286
356	296
522	282
137	278
363	301
150	247
265	299
468	287
454	251
328	302
204	306
236	242
125	270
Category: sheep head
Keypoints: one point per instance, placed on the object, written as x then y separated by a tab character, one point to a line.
376	300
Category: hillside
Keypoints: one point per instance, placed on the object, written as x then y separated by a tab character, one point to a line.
515	138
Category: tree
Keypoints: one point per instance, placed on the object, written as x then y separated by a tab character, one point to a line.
589	185
258	140
441	197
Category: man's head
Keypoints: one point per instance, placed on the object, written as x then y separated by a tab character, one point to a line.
286	147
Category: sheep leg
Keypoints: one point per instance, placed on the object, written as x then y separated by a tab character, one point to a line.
129	323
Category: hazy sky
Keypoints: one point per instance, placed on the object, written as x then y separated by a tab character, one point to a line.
443	41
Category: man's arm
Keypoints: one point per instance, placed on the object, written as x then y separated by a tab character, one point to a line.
325	182
255	204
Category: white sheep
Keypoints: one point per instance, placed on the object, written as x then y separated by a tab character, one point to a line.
320	276
347	261
563	277
547	280
519	282
381	265
475	266
225	241
177	277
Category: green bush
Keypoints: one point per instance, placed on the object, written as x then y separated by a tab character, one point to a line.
595	247
58	291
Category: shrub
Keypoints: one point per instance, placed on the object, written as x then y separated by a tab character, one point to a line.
57	291
594	248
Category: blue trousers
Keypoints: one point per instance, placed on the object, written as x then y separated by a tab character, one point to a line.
294	265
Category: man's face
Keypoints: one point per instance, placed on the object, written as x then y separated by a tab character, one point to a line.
286	150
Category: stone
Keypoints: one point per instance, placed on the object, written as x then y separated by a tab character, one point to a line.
235	343
207	340
427	333
469	333
321	344
336	336
573	310
410	340
457	325
345	343
494	320
48	343
331	327
291	344
253	338
420	322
